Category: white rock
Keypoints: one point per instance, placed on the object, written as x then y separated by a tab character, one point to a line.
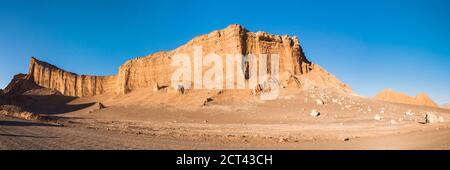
314	113
432	118
282	139
409	113
393	121
319	102
377	117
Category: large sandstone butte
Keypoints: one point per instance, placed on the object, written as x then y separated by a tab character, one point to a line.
155	69
397	97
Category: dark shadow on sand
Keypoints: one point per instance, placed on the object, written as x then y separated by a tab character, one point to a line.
48	104
25	136
22	123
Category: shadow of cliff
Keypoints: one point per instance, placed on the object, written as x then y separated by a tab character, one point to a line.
23	123
47	104
25	136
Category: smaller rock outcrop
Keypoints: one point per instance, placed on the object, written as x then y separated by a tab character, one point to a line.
20	84
17	112
390	95
432	118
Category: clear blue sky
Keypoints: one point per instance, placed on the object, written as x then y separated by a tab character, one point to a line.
371	45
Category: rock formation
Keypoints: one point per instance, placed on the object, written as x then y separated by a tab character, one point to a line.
446	106
396	97
20	84
156	69
70	84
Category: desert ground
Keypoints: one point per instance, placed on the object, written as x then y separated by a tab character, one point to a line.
147	120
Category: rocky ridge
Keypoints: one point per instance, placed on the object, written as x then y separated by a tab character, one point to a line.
156	70
398	97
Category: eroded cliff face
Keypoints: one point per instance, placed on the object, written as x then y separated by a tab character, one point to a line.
70	84
155	69
397	97
145	72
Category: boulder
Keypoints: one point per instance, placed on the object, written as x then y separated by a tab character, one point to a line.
409	113
100	105
377	117
319	101
431	118
314	113
207	100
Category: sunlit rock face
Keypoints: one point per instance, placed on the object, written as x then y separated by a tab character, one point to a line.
145	72
397	97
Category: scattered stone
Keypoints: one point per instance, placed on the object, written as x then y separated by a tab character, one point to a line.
409	113
342	124
377	117
319	101
100	105
393	122
230	136
181	89
257	90
432	118
11	108
334	100
282	139
207	100
21	115
155	87
314	113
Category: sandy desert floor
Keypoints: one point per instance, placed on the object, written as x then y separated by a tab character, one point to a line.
144	120
21	134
